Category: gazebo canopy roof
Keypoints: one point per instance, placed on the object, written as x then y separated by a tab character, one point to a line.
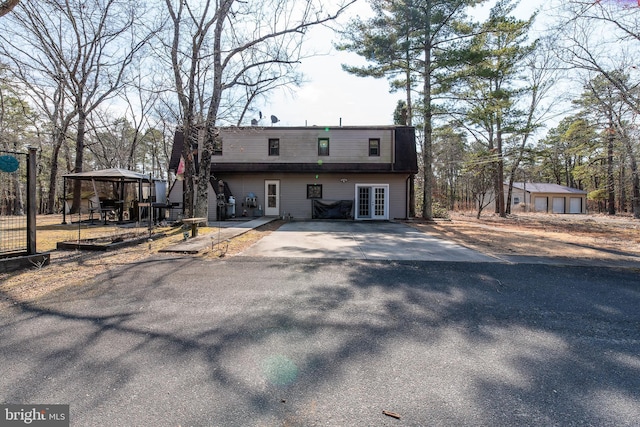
114	174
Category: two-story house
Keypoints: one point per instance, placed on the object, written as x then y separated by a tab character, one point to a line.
361	172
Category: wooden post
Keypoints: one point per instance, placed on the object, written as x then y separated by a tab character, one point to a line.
31	201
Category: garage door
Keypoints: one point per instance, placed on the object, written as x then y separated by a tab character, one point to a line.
575	205
558	205
540	204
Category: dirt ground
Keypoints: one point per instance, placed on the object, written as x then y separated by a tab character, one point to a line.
569	236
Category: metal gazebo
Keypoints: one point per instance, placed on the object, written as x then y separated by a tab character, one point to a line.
120	177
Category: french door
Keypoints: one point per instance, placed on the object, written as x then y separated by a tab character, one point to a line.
372	201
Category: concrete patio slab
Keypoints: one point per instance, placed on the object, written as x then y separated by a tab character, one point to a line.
360	240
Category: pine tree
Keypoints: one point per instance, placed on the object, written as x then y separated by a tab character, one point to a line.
489	85
408	41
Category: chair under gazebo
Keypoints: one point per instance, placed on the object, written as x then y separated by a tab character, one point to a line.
109	196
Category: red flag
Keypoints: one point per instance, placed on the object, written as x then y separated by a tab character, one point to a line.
180	171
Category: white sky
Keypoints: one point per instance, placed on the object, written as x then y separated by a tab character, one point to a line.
332	94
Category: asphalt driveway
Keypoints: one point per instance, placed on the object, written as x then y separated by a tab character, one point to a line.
311	342
360	240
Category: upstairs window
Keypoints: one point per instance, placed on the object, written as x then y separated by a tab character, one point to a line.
274	147
217	146
374	147
323	146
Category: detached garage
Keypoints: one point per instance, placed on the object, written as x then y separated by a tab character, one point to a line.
551	198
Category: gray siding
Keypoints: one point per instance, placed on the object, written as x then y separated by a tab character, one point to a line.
300	145
245	164
293	191
175	196
212	202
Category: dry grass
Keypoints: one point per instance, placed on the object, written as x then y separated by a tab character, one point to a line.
572	236
243	241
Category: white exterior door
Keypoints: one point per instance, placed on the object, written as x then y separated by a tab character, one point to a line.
372	201
272	198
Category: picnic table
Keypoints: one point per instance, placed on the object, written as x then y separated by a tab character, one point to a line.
194	222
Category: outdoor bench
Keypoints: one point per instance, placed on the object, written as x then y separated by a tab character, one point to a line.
194	222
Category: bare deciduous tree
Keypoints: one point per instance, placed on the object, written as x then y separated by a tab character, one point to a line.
85	47
245	48
600	38
541	74
32	43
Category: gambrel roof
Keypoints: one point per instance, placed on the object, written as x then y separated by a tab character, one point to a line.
403	160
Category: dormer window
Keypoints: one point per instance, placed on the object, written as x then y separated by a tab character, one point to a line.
274	147
323	146
374	147
217	146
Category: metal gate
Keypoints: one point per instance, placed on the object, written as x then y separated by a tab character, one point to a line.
13	202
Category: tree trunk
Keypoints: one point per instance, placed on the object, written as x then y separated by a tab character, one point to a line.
407	88
18	207
409	122
77	187
509	196
58	139
622	201
500	169
427	203
189	134
611	180
204	175
211	135
635	179
636	196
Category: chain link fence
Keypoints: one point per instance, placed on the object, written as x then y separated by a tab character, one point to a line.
13	202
